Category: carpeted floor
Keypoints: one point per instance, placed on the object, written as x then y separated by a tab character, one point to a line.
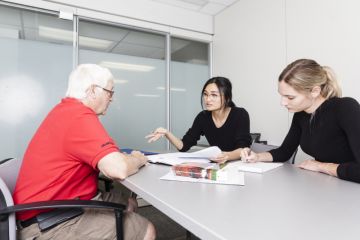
166	228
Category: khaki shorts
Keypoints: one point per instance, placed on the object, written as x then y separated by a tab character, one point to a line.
93	224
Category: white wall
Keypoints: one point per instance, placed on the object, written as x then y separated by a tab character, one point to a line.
328	31
249	48
139	13
255	39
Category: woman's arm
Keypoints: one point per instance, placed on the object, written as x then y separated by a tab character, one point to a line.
174	140
249	156
160	132
229	156
291	141
241	126
348	115
190	138
316	166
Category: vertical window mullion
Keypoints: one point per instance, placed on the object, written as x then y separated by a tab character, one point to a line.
167	86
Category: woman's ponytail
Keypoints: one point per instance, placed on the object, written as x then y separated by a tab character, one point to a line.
332	87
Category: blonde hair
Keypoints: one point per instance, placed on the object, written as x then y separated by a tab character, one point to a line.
85	75
305	74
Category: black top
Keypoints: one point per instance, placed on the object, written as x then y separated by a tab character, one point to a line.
233	134
331	134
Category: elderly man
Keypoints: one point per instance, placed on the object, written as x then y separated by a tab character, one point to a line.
65	156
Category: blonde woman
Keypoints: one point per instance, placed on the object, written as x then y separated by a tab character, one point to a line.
325	125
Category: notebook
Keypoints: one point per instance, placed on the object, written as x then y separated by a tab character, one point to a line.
258	167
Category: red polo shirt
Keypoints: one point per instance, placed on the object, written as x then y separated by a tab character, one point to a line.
61	159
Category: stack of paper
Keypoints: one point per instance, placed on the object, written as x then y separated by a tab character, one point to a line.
202	156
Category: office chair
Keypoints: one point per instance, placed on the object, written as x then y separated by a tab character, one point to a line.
255	137
260	147
8	175
108	183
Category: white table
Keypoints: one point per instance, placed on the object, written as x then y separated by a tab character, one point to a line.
285	203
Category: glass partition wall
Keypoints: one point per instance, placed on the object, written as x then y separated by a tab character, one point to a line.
158	78
137	61
35	65
189	72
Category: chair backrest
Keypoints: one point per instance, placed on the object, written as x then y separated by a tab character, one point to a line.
9	171
260	147
255	137
7	223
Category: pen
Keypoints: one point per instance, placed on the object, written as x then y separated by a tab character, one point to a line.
222	165
244	158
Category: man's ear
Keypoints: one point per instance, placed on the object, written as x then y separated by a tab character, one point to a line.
315	92
90	92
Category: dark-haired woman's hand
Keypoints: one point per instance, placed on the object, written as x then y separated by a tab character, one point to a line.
155	135
221	158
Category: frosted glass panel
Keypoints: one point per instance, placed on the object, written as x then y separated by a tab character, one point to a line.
189	72
33	76
136	60
36	60
187	81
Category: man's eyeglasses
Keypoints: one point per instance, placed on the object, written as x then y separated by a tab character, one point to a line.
110	92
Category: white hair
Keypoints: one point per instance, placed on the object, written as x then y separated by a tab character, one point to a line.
85	75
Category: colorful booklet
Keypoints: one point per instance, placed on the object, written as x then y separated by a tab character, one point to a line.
199	170
204	173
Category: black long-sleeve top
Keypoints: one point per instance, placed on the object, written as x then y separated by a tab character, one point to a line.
331	134
233	134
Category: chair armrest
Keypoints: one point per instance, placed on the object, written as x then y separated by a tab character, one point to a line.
118	209
62	204
5	160
108	182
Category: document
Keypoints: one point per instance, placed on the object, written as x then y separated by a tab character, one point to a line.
258	167
233	178
202	156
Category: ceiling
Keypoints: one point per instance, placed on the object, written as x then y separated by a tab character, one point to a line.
28	25
209	7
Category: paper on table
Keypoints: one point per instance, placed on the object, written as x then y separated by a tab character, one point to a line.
234	178
258	167
201	156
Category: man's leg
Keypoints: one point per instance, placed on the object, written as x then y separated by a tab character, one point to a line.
95	224
132	222
150	232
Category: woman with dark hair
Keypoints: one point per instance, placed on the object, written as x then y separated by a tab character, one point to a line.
325	125
223	124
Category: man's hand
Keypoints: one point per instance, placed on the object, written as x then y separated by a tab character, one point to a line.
140	156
